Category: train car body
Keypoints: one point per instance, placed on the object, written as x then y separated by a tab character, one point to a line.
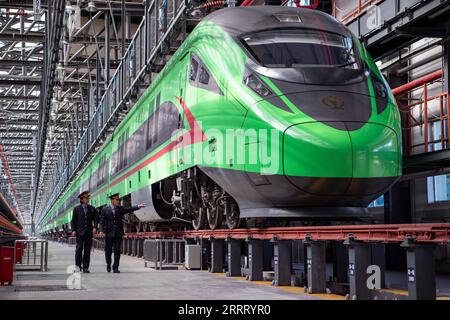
262	112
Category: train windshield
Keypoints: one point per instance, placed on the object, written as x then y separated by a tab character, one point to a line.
299	48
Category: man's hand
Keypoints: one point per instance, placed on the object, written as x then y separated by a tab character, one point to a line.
74	234
142	205
94	231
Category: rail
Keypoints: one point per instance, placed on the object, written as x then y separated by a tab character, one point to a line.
428	122
34	255
147	45
164	253
423	233
346	11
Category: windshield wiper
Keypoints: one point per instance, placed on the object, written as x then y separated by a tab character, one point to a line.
346	64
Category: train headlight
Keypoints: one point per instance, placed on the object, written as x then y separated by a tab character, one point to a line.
254	83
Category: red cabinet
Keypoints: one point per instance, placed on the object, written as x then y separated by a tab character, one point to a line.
6	265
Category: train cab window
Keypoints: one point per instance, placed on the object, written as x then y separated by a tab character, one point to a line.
193	68
200	77
299	48
203	76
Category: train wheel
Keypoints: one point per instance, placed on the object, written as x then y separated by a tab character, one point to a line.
233	219
214	217
198	219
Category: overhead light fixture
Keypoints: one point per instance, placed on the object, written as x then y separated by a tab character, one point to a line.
91	7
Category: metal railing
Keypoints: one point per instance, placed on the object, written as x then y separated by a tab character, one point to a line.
164	252
347	10
34	255
144	49
428	122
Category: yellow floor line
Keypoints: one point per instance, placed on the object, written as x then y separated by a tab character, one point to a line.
405	293
262	283
239	278
395	291
298	290
328	296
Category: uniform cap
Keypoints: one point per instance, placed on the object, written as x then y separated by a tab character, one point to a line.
84	193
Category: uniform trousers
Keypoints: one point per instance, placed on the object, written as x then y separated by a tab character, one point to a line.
113	244
83	251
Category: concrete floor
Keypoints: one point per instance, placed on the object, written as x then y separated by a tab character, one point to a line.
137	282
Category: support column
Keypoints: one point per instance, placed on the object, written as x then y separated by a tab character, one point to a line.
340	262
216	255
140	248
397	210
282	262
359	257
203	243
446	65
379	259
134	245
420	270
107	50
234	258
255	260
124	245
268	255
130	246
316	266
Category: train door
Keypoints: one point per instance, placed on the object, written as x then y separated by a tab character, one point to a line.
183	94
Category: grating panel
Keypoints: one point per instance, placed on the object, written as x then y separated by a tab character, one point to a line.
43	288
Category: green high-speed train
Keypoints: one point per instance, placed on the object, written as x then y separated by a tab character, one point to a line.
264	112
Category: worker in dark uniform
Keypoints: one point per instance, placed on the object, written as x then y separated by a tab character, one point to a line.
112	228
84	225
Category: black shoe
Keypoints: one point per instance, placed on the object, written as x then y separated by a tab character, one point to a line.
86	271
116	271
108	268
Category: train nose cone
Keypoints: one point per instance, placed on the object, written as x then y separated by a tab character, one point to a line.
321	161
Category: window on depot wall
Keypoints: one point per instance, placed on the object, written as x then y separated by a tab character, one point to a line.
377	203
438	188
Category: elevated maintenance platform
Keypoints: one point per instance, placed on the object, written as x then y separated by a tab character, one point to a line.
333	262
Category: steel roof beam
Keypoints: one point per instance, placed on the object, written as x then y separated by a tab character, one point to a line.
34	98
20	63
12	36
20	82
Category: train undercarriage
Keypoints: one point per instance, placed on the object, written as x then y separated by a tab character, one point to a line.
191	199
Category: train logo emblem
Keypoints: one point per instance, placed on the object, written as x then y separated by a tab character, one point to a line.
333	102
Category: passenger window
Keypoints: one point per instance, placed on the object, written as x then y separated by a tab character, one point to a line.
204	76
200	77
193	69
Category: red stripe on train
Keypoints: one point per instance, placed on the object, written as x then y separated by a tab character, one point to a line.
194	135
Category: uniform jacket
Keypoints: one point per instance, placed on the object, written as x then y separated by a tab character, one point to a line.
112	224
84	221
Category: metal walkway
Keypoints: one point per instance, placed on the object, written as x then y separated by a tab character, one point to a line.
393	24
145	57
